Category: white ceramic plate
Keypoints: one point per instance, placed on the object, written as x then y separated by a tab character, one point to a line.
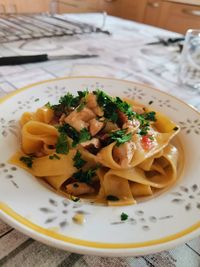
160	223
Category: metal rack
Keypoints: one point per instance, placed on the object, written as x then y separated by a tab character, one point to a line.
23	27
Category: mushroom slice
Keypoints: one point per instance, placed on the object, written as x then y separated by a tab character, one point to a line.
95	126
93	145
80	119
92	104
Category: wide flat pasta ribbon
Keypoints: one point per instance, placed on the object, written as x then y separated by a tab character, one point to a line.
43	114
55	171
35	134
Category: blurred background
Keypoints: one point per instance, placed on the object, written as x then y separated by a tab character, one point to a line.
174	15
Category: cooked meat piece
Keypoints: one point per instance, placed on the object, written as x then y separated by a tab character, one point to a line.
77	189
109	127
79	120
123	154
93	145
92	104
122	118
95	126
62	118
104	139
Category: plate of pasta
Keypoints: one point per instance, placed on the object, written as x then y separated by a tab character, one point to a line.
100	166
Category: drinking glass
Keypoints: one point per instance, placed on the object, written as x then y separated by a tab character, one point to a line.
189	68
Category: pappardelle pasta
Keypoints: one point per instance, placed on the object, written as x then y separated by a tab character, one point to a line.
100	147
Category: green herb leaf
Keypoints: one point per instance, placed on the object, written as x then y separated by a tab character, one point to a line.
107	104
112	198
102	98
175	128
62	146
48	105
58	109
75	199
150	116
120	136
144	120
124	107
84	135
83	94
69	131
80	107
151	137
77	137
144	129
112	105
124	216
54	156
78	161
85	177
69	100
28	161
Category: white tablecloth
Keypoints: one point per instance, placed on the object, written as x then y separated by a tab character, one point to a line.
125	55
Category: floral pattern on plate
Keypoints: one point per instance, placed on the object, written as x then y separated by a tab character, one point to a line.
190	126
189	197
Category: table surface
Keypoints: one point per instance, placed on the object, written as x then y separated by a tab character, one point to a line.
125	55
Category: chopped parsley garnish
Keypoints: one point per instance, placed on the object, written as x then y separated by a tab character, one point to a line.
144	129
150	116
112	198
75	199
77	137
28	161
144	120
37	99
124	216
84	135
80	107
54	156
62	146
58	109
48	105
175	128
78	161
82	99
69	100
112	105
107	103
69	130
124	107
151	137
85	176
83	94
120	136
